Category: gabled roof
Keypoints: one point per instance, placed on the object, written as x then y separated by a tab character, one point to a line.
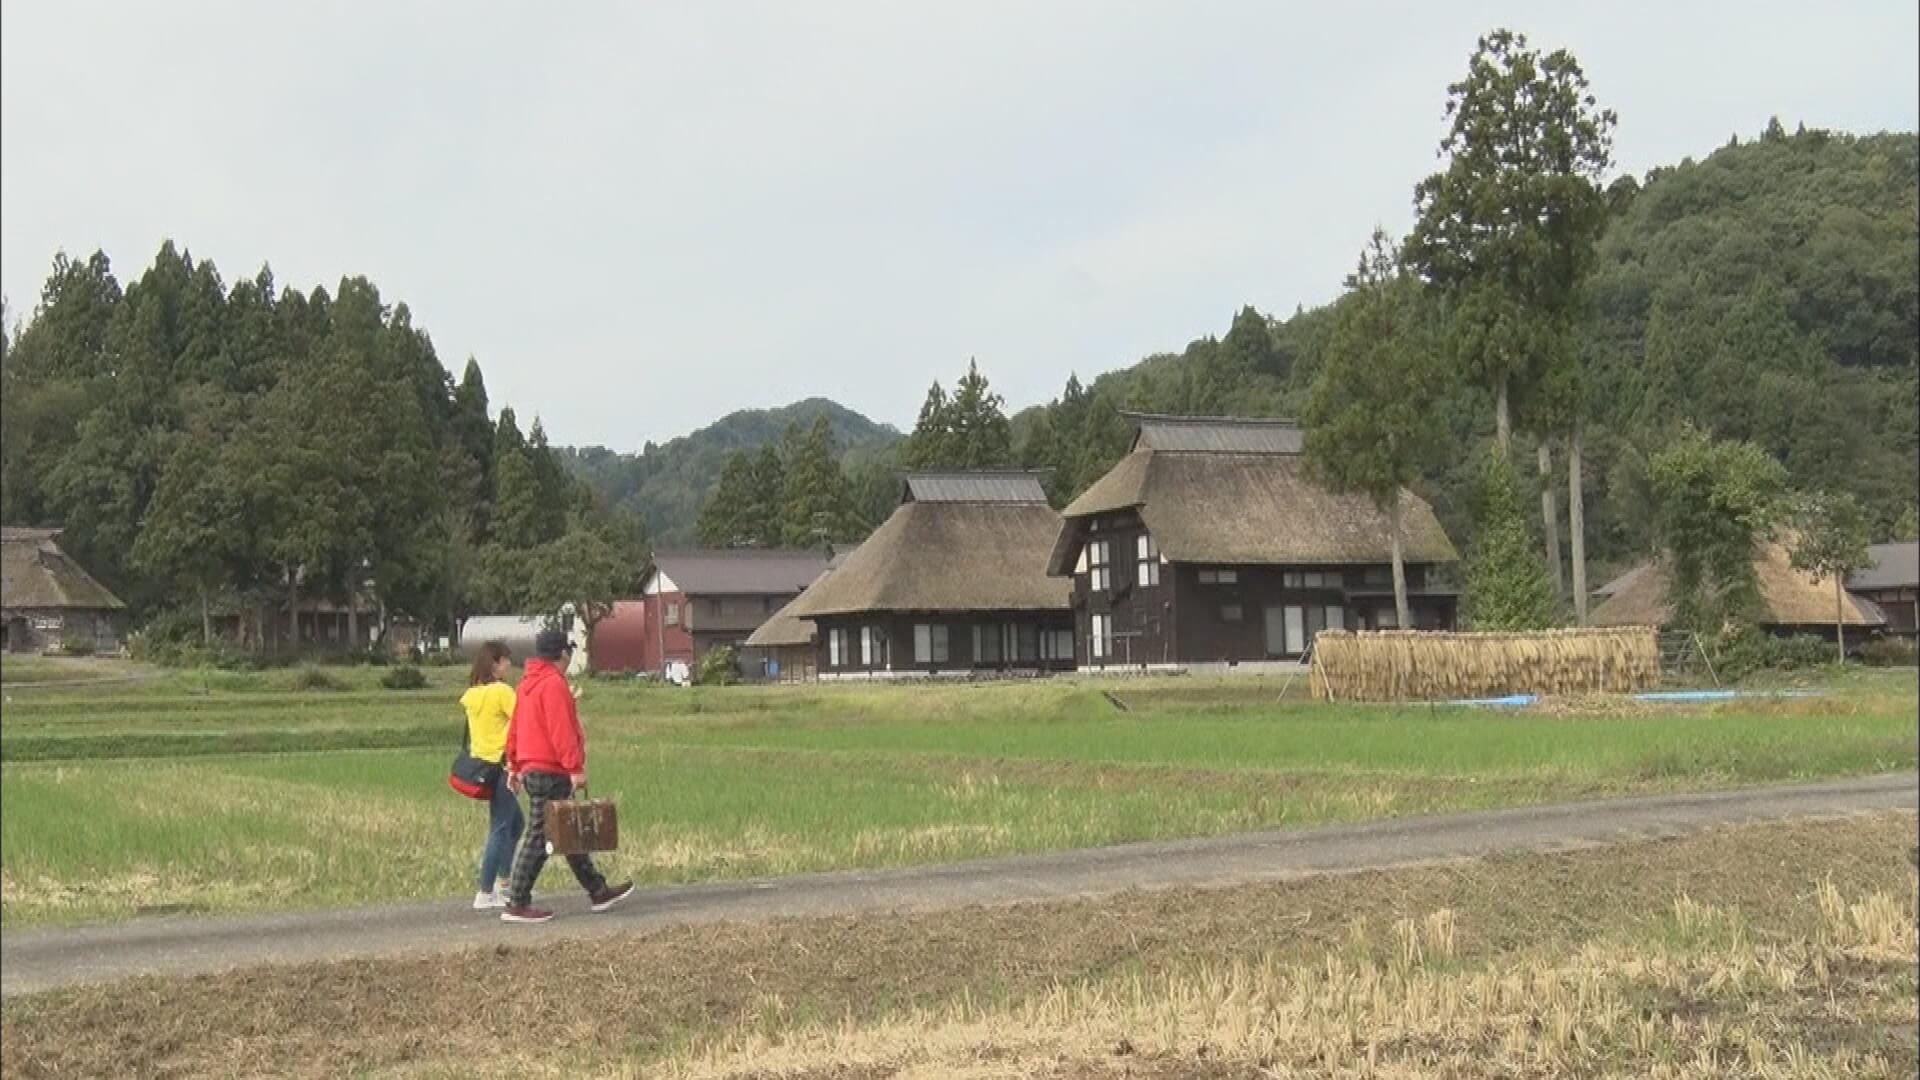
1790	597
1214	434
1213	490
35	575
1894	566
783	627
946	556
740	571
996	486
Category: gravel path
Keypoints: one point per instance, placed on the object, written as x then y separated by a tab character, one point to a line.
33	960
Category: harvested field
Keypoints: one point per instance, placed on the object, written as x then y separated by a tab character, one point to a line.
1782	950
1404	665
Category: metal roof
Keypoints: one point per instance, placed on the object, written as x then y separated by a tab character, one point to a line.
1894	566
741	571
1003	486
1214	434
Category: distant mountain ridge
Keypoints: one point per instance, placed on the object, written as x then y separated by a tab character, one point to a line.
665	483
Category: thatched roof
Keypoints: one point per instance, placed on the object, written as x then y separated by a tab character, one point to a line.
36	575
1791	597
783	627
1236	492
948	553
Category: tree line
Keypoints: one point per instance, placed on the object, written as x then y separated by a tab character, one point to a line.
249	450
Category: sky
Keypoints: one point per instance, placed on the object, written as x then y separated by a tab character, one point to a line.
640	217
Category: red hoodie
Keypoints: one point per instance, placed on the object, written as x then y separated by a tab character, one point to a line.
545	733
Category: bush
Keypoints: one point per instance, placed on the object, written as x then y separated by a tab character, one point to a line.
1747	650
717	668
404	677
311	677
1891	652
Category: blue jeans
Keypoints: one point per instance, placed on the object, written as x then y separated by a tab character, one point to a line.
504	823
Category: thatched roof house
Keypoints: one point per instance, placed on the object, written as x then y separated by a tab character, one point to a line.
1794	600
955	580
47	600
1209	543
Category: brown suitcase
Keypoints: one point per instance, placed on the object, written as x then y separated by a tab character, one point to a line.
579	825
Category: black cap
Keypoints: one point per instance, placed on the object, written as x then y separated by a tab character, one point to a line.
551	644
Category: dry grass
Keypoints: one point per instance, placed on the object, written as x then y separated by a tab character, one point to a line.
1400	665
1767	951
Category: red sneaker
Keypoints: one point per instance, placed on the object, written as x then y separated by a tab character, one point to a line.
610	896
528	914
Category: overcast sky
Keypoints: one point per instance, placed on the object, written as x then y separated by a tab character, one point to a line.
640	217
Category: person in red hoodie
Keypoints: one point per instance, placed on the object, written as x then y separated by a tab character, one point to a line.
547	756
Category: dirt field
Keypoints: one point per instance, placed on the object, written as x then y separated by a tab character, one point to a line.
1781	951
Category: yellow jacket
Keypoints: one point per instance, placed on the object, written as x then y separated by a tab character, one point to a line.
489	709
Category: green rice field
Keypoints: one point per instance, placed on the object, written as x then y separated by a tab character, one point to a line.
183	792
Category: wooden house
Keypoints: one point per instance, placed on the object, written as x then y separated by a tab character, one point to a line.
1892	583
953	582
1207	544
48	603
692	601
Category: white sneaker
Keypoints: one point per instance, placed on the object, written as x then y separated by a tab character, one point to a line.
487	901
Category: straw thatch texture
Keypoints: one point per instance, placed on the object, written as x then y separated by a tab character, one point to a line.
1248	509
1411	665
782	628
1789	597
946	556
35	575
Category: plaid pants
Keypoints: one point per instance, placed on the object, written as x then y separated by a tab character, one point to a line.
541	789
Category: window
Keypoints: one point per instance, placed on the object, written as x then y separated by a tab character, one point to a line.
868	646
1230	613
1100	565
1148	555
1026	642
1336	617
987	645
1290	580
1056	645
673	614
929	644
1217	576
1386	619
1100	639
837	647
1377	575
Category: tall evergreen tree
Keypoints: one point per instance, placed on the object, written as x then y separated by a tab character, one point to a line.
819	503
1371	426
1507	587
930	446
980	435
725	516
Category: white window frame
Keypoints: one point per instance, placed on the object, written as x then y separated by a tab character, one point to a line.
1147	560
1056	645
837	647
673	613
1099	636
1100	565
1219	575
930	643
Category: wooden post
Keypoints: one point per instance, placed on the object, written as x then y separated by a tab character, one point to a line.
1577	523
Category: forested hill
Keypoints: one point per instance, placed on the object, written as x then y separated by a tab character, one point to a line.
1767	293
665	483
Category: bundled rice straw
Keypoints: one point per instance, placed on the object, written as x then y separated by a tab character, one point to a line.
1414	665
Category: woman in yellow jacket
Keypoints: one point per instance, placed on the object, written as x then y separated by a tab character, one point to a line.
489	705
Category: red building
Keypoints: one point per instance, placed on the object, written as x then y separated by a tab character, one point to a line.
693	601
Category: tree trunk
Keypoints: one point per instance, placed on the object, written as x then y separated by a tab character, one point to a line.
1550	519
1502	424
293	608
1404	617
1577	523
206	619
353	612
1840	616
